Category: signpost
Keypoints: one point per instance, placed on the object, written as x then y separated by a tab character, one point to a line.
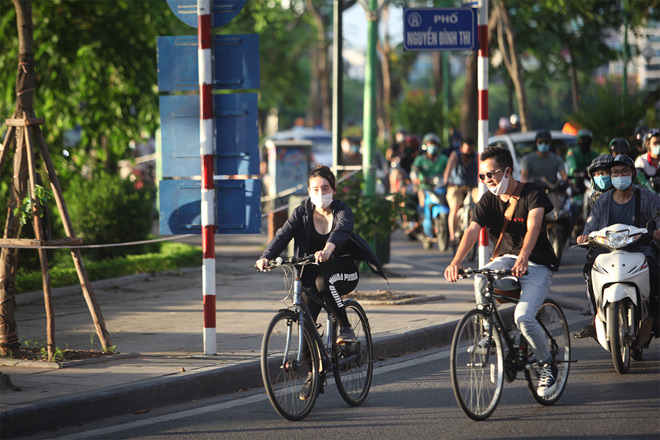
431	29
215	194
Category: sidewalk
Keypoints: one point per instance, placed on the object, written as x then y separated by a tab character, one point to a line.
156	323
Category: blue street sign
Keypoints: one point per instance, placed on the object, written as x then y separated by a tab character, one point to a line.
238	206
222	11
435	29
236	62
236	134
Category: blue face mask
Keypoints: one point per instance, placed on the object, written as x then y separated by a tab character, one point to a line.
603	182
432	150
622	182
543	147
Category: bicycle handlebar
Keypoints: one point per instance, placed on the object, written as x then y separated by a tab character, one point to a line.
293	261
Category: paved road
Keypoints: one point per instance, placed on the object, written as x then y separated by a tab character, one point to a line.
412	397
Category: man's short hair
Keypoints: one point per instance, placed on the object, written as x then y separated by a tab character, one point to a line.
501	156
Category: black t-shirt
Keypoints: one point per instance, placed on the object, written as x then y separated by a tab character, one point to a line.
489	213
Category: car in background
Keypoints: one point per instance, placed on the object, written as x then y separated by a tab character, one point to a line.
321	142
520	144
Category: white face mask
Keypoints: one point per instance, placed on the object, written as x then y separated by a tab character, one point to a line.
321	201
501	187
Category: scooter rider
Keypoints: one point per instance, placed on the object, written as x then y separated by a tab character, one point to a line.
630	205
599	173
428	165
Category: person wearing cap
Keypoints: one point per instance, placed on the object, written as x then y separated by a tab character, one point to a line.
601	182
648	165
542	166
629	205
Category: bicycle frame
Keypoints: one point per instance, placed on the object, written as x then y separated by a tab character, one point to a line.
300	307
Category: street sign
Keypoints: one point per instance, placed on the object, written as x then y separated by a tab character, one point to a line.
438	29
238	208
236	59
236	136
222	11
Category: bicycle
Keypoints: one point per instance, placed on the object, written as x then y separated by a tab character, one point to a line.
478	370
293	351
463	218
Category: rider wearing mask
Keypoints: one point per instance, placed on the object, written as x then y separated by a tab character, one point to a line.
648	165
428	165
601	182
579	157
542	165
461	178
629	205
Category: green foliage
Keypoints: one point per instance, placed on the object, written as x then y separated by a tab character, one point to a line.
25	209
419	112
375	216
171	256
96	69
109	209
608	114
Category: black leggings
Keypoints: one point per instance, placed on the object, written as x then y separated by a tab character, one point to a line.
330	281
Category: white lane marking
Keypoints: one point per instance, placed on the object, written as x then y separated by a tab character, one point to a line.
238	401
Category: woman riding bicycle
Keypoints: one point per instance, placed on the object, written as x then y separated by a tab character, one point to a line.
323	227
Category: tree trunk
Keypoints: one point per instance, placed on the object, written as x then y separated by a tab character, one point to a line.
24	105
573	75
386	103
512	60
469	106
321	101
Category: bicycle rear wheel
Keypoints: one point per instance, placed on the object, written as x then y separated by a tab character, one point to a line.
477	370
553	320
354	363
283	375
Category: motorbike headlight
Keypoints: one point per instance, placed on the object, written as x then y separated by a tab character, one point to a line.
618	239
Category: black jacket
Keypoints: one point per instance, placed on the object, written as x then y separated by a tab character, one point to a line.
299	227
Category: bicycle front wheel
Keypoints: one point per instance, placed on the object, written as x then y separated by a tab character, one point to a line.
553	321
477	365
354	363
291	379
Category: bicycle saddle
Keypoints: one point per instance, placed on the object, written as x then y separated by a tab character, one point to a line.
507	286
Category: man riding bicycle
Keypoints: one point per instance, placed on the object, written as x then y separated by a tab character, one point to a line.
524	249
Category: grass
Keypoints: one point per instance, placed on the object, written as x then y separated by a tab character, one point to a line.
171	256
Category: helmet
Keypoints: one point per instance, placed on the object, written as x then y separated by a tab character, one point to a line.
623	159
583	132
602	161
543	134
431	138
619	146
640	134
514	119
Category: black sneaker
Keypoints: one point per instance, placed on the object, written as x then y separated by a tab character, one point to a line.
547	379
306	390
346	336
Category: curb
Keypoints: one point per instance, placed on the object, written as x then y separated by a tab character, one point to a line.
54	365
200	384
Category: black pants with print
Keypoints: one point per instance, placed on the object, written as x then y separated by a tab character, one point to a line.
329	281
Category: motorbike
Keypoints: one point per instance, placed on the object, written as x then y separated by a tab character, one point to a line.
580	200
622	292
463	217
435	216
560	220
399	182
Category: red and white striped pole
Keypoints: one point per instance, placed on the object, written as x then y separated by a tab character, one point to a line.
206	143
482	88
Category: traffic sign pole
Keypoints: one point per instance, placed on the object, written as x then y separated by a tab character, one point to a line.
207	153
482	89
